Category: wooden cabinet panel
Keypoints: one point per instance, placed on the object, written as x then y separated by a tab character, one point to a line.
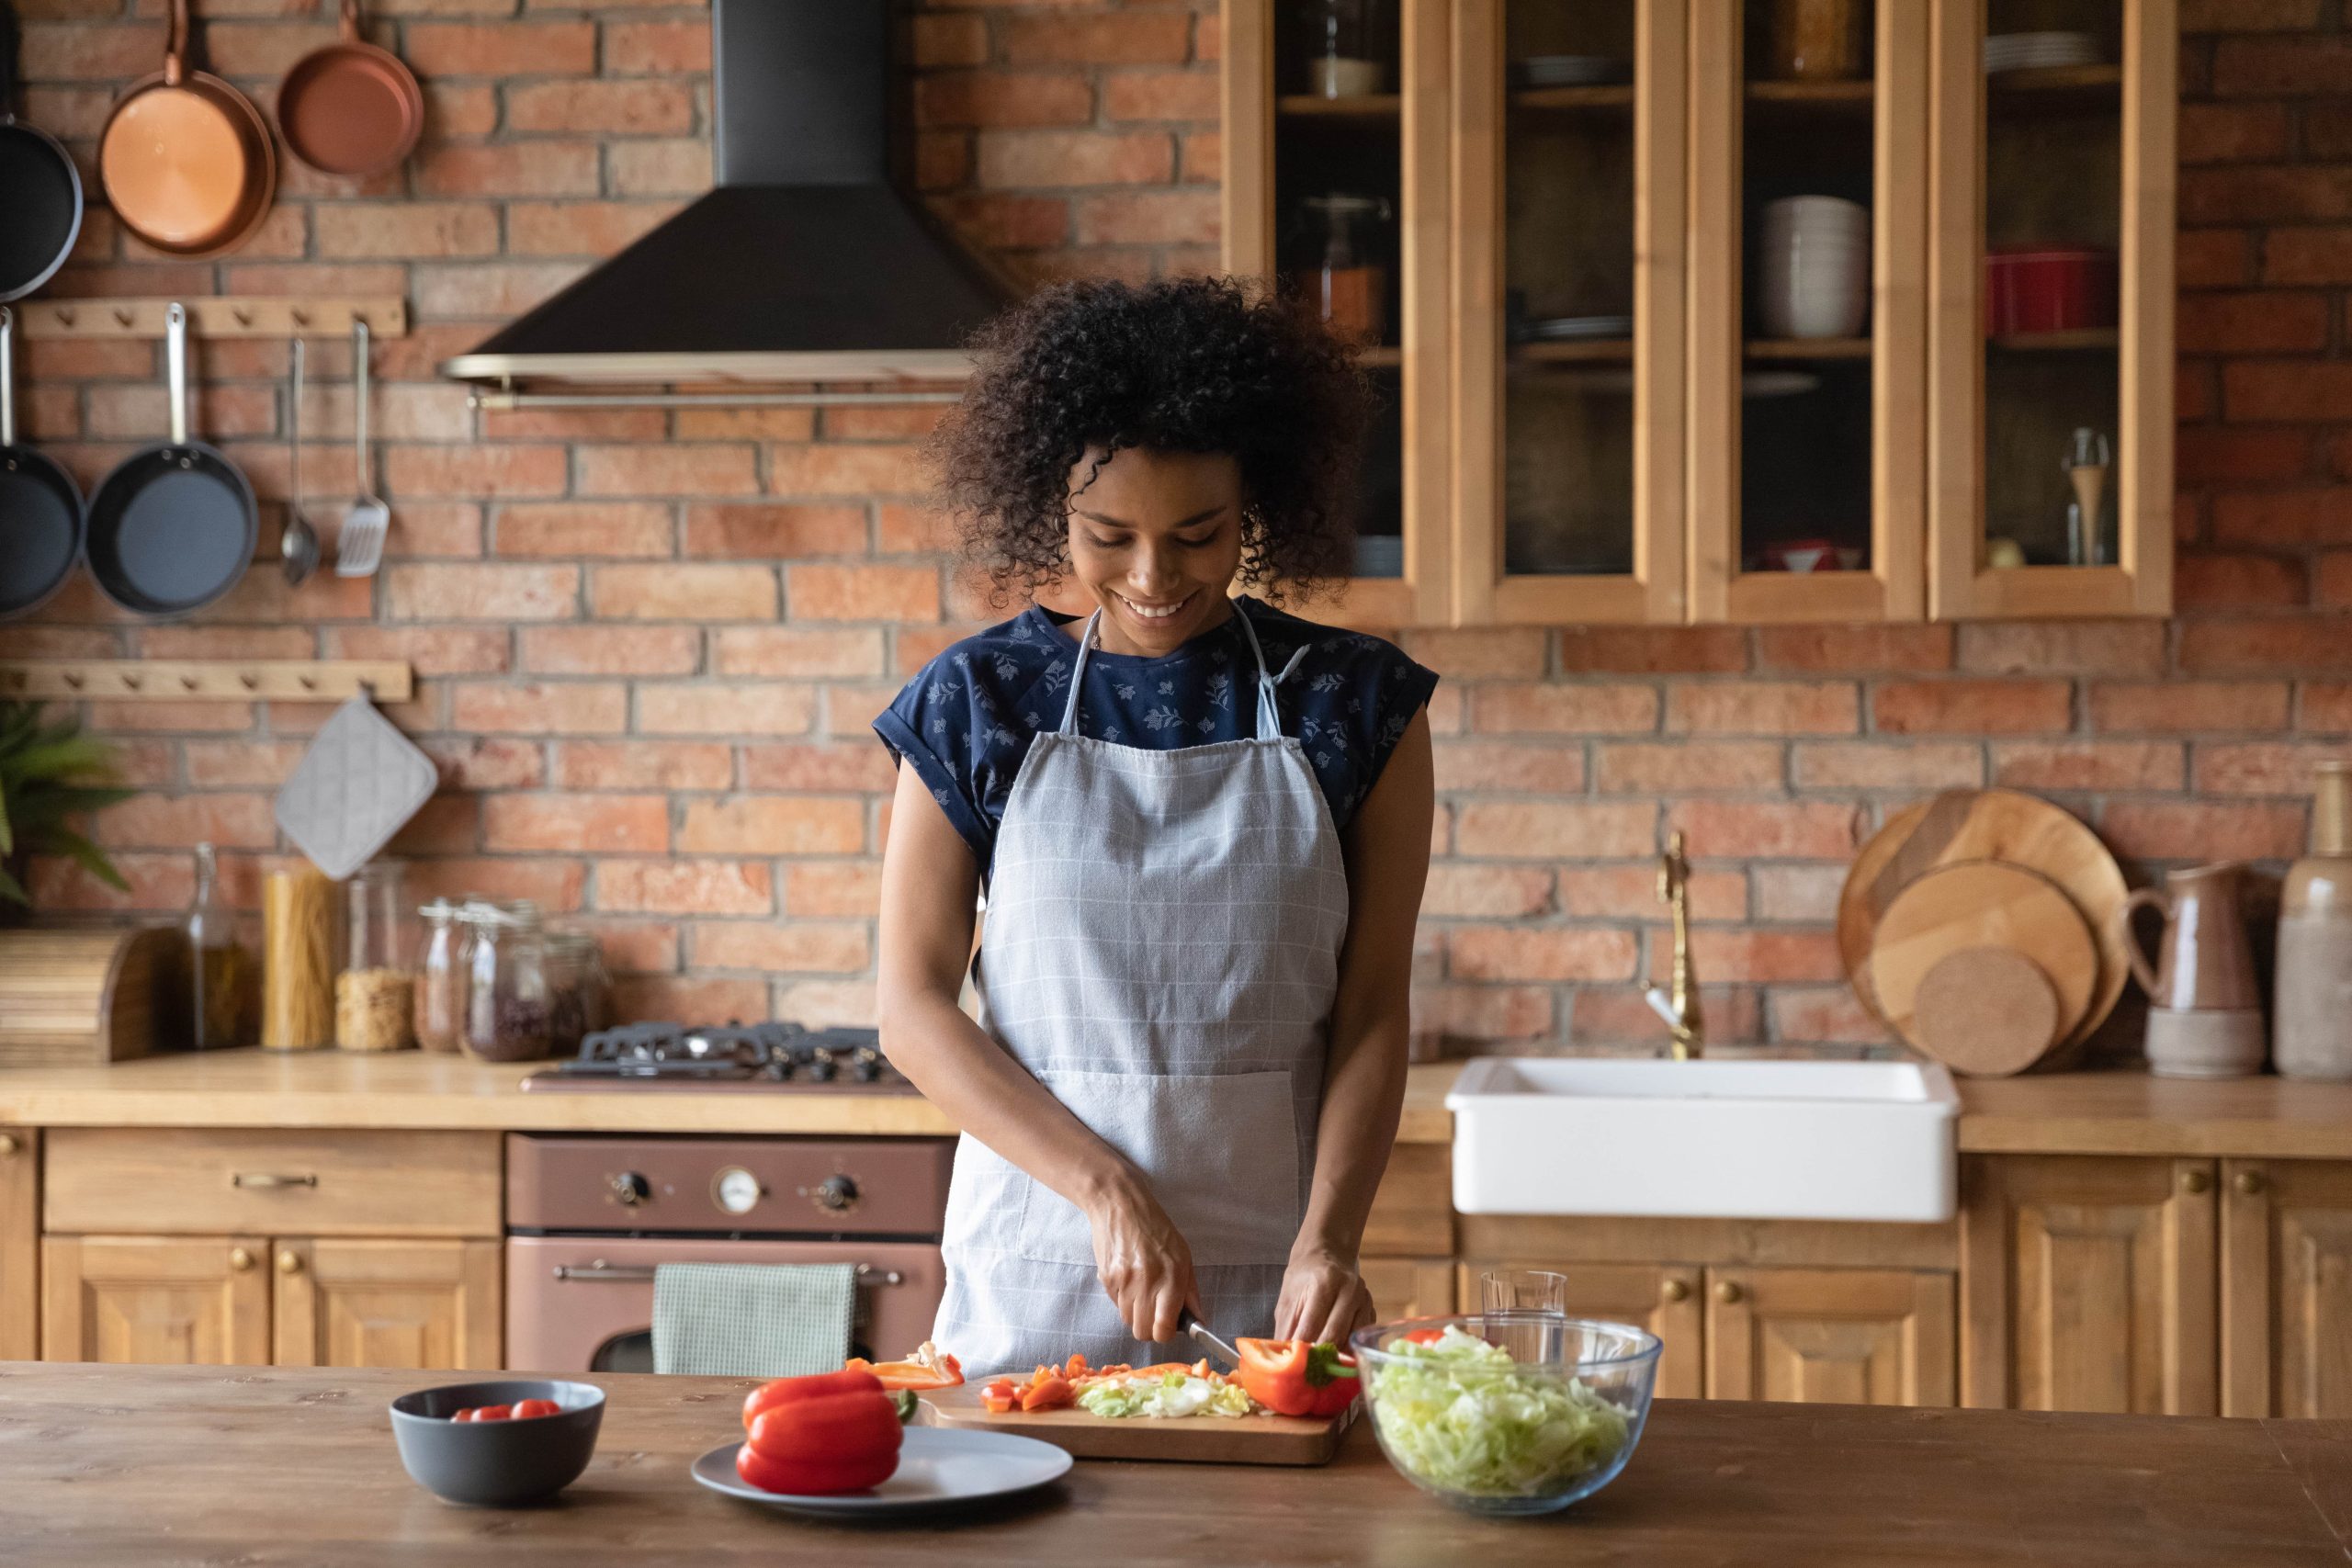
19	1245
1830	1335
1412	1212
2087	1284
2285	1289
1410	1287
386	1303
1661	1297
177	1300
123	1180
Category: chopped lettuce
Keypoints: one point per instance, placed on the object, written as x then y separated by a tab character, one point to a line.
1170	1394
1458	1414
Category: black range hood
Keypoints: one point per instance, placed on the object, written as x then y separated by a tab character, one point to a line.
804	264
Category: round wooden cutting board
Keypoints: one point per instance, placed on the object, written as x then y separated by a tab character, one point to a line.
1986	825
1982	904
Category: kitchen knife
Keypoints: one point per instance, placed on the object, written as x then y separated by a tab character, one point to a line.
1202	1334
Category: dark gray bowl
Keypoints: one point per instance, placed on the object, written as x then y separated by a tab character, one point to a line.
497	1464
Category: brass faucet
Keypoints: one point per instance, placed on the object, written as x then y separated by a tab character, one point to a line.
1680	1009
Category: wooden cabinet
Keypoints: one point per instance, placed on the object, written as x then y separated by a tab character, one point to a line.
1601	419
1410	1287
248	1246
182	1300
1665	1297
386	1304
19	1245
2286	1295
1830	1335
2088	1284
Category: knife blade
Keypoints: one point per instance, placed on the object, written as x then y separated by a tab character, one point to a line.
1203	1335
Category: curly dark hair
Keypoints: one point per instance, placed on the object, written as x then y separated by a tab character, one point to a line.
1187	364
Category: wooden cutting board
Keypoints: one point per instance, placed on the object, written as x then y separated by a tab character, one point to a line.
1986	824
1987	1011
1981	904
1199	1439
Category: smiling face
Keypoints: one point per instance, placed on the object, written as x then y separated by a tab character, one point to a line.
1156	537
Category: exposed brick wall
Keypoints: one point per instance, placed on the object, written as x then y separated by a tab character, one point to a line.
650	642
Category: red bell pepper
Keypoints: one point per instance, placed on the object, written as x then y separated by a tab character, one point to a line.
1292	1377
835	1432
928	1368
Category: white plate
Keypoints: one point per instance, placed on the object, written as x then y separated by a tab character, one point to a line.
936	1467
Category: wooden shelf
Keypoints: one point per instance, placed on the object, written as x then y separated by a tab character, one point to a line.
2089	340
212	316
1808	348
1380	357
2091	84
1588	351
1367	105
244	681
1856	93
1602	95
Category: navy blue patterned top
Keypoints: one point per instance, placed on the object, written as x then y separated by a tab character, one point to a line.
966	720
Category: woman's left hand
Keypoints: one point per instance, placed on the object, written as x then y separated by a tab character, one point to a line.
1323	1297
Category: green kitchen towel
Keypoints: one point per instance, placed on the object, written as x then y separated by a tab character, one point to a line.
752	1320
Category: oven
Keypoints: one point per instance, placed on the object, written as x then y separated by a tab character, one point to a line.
590	1218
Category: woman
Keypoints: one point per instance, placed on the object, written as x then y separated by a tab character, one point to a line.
1203	825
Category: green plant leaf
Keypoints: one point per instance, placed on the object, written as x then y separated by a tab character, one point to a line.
7	834
11	892
89	857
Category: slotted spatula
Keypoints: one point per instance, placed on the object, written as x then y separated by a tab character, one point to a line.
362	546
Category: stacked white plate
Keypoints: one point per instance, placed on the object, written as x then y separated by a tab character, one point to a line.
1813	267
2033	51
1574	70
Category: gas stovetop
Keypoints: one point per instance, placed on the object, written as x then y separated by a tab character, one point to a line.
729	1056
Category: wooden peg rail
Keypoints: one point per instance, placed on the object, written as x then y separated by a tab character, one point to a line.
162	679
212	316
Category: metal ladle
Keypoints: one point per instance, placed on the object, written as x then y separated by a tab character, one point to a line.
298	545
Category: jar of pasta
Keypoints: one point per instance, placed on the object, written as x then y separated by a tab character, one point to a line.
375	992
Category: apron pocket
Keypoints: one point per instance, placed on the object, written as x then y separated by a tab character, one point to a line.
1221	1151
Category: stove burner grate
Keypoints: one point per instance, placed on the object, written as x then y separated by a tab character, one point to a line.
778	1052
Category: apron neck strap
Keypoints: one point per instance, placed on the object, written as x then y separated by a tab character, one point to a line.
1269	718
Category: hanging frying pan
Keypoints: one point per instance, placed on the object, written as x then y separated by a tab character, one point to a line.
40	189
40	506
172	528
350	109
186	159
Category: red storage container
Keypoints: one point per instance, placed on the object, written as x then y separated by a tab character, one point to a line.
2039	290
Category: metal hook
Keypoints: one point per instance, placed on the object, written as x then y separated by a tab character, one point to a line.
249	680
124	319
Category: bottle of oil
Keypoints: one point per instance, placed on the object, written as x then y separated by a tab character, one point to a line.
222	973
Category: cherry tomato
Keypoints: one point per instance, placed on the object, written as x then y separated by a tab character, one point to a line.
531	1408
485	1413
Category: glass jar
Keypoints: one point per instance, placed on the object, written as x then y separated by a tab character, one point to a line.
222	975
437	1012
298	909
1344	48
577	987
506	983
375	990
1348	286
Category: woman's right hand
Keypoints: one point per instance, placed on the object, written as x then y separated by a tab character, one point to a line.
1142	1260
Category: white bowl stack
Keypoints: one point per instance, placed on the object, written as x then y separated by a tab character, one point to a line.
2035	51
1813	267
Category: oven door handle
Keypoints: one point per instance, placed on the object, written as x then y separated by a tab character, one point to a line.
642	1273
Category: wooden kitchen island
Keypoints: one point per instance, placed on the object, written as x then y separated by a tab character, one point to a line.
116	1465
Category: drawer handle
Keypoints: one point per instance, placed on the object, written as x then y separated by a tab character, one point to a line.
290	1262
2251	1182
270	1178
1730	1293
240	1259
642	1273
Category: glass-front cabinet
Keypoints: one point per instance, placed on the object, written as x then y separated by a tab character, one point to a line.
1730	310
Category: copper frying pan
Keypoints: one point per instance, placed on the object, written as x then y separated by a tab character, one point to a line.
186	159
350	109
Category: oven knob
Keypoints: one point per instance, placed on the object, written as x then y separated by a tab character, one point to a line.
835	1193
629	1189
736	1190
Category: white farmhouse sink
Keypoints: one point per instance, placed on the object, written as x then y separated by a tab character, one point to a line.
1728	1140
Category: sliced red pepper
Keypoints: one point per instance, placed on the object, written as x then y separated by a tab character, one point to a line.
1426	1336
915	1372
1000	1396
1292	1377
1049	1393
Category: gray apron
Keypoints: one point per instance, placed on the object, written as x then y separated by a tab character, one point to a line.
1162	953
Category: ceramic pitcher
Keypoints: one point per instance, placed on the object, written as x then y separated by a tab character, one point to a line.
2204	962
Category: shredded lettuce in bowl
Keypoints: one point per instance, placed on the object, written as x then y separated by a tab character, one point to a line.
1167	1395
1460	1414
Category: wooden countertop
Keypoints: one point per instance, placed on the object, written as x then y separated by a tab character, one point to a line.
108	1465
419	1089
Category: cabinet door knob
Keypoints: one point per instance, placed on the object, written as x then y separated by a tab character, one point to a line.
290	1262
240	1259
1675	1290
9	1144
1729	1293
2195	1181
2252	1182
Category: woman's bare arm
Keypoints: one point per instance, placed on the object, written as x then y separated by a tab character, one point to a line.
1388	846
930	883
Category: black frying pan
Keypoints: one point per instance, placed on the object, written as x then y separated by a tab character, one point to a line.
40	191
40	506
172	528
